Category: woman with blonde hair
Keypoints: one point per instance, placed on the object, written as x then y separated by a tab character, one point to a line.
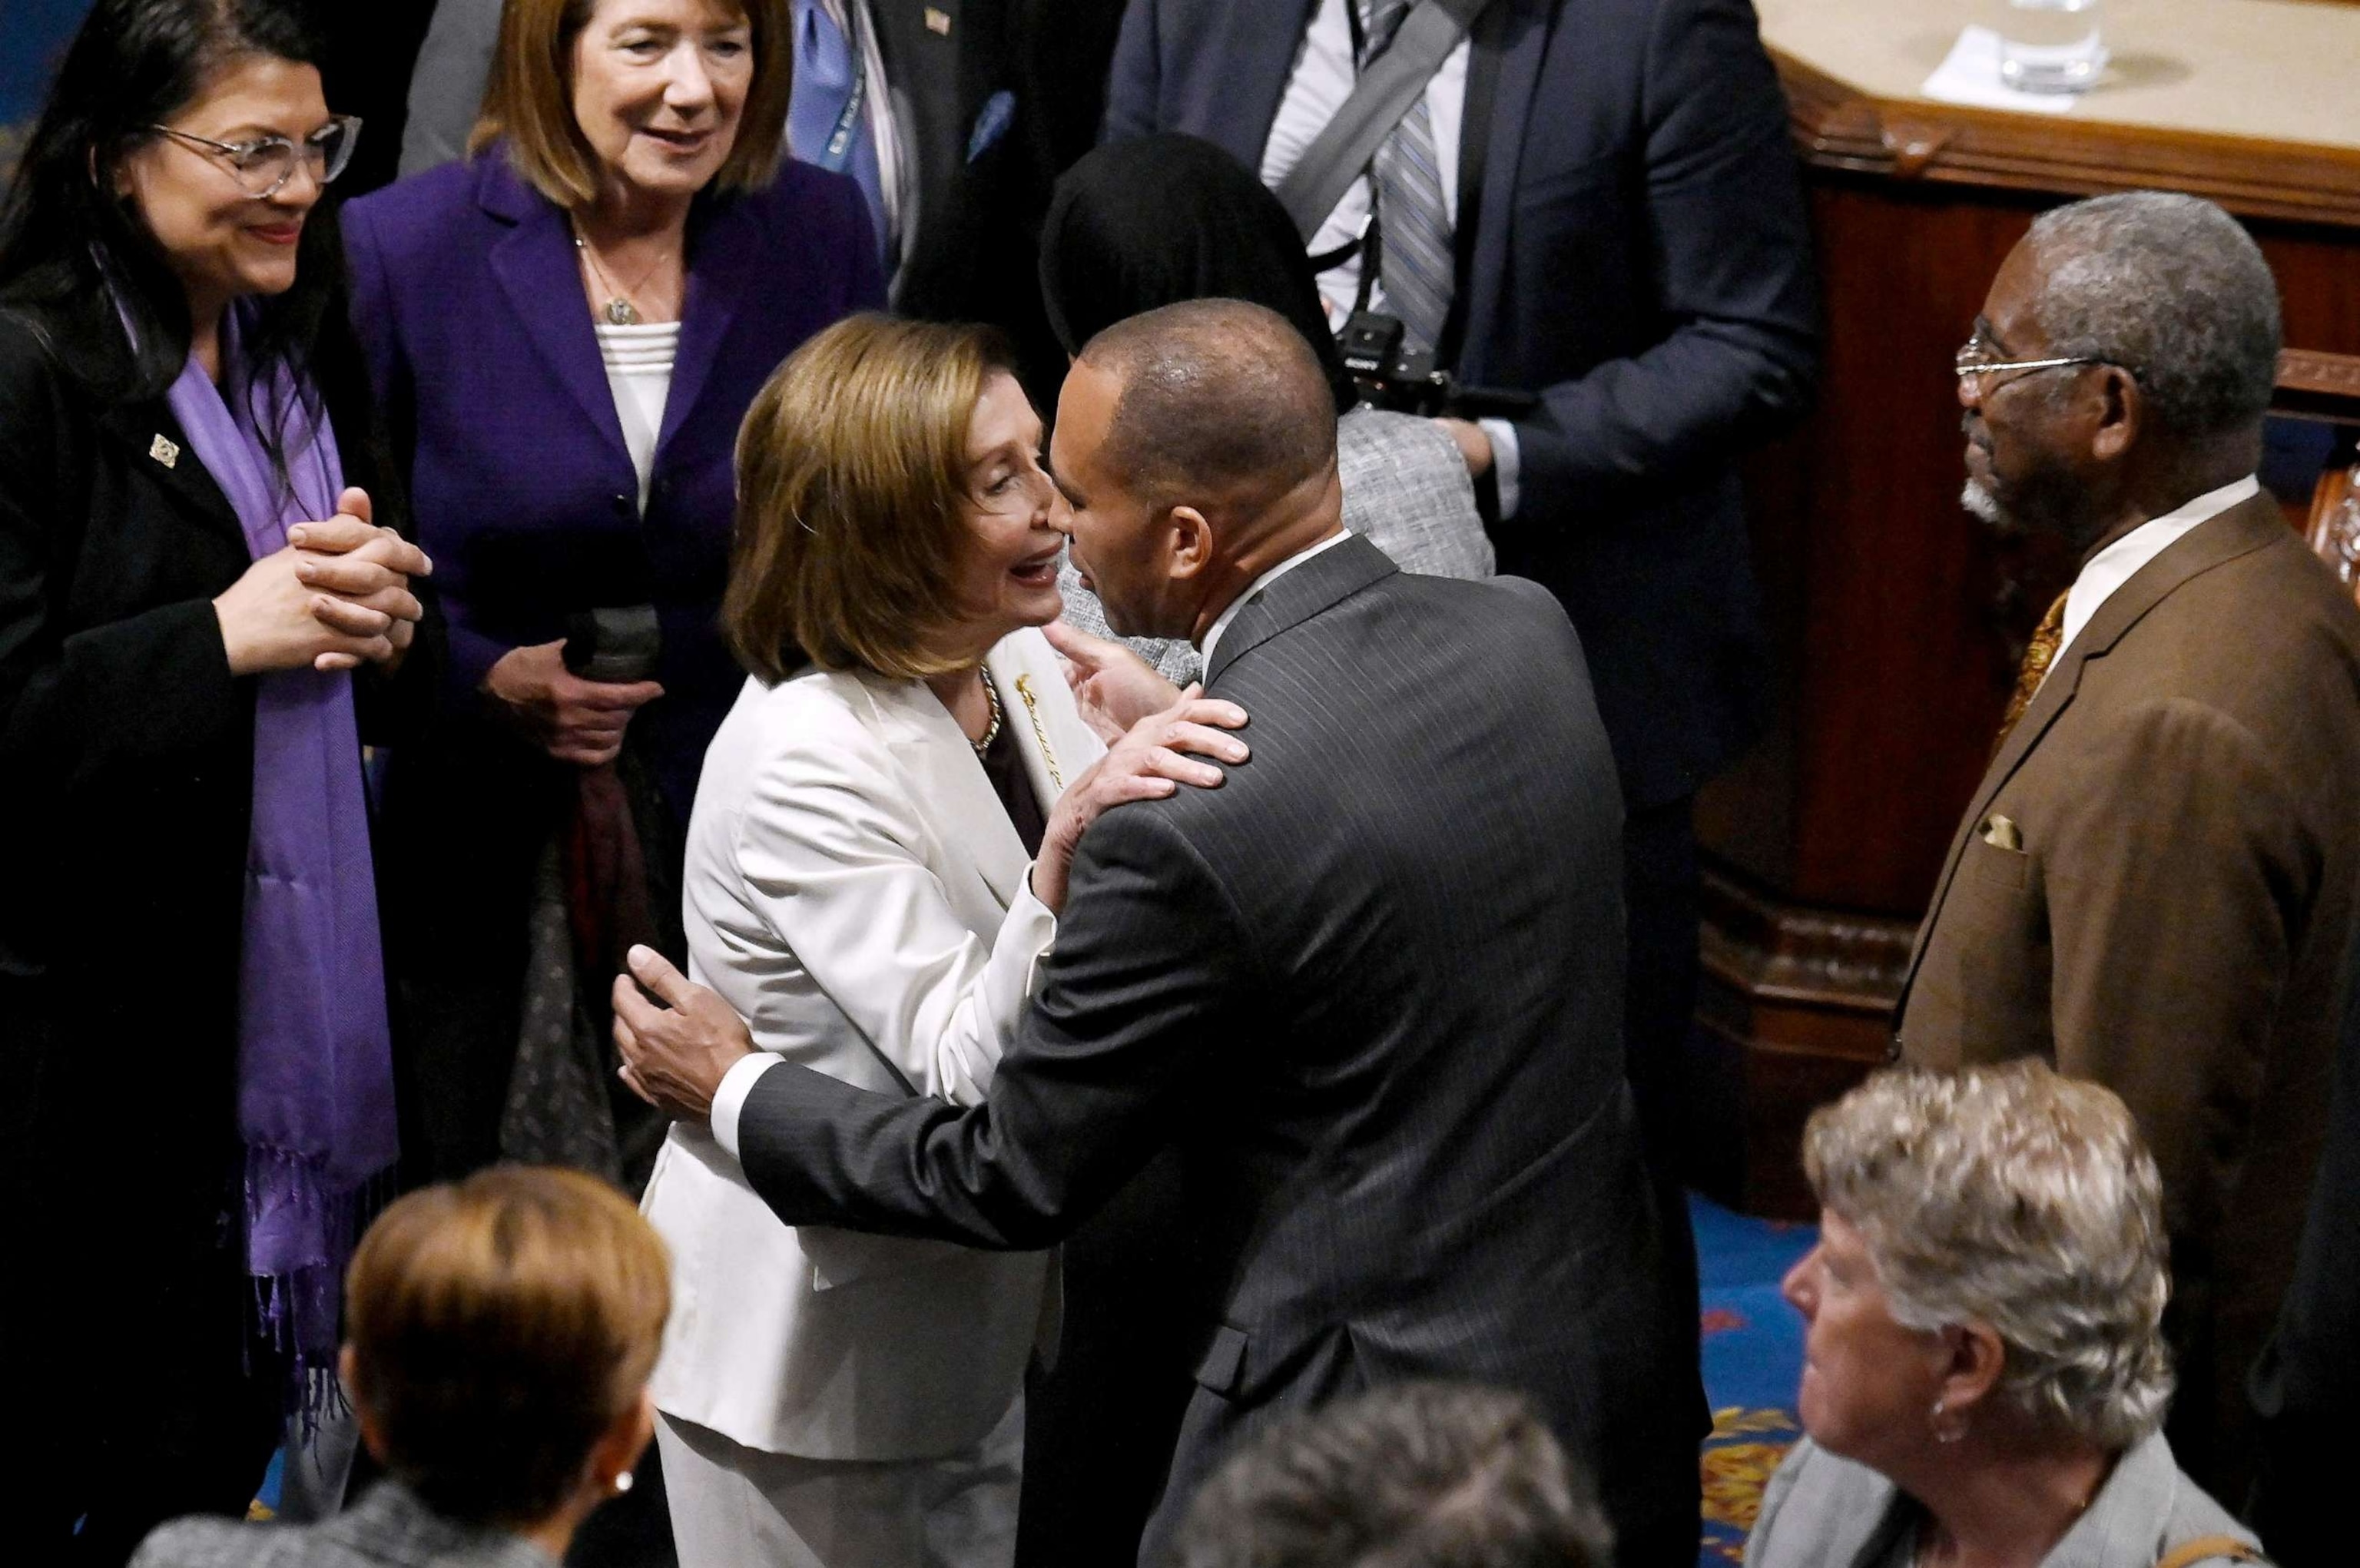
1984	1374
875	864
501	1335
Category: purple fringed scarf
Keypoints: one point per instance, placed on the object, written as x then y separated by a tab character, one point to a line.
314	1066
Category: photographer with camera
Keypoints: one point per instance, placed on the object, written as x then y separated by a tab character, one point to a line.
1151	222
1593	202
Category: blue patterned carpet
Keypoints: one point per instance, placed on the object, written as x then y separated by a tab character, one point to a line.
1753	1359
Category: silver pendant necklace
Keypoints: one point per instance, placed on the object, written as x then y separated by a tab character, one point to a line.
617	311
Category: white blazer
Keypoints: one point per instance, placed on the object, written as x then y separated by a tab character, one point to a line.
855	891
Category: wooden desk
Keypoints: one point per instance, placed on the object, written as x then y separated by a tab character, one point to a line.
1898	619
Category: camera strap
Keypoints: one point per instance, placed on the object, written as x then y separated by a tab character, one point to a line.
1382	94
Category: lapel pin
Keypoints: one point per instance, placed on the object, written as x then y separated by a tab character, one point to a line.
938	22
164	451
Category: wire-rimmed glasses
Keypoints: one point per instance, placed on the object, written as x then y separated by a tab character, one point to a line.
1973	362
262	166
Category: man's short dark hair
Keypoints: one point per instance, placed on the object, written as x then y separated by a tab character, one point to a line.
1223	405
1411	1476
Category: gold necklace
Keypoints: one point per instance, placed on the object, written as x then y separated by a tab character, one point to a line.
618	309
990	730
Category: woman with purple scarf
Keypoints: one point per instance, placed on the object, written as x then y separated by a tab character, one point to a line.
200	619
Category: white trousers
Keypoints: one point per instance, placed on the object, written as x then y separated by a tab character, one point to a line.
734	1507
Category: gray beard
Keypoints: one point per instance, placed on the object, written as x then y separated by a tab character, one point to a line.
1978	499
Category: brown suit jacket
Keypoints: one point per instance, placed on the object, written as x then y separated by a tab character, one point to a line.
2185	791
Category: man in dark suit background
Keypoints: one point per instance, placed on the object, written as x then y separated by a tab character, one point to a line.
1620	229
1371	987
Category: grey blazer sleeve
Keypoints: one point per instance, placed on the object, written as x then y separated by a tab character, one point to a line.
446	88
1148	958
1407	492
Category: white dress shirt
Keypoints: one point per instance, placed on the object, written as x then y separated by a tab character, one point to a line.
2115	564
639	361
1323	78
1221	621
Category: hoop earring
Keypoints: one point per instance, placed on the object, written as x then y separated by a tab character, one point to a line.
1940	1434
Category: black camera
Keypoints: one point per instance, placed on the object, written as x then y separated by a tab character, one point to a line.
1390	375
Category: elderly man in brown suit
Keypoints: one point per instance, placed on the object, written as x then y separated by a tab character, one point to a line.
2155	880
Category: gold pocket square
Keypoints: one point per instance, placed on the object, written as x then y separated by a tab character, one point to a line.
2001	833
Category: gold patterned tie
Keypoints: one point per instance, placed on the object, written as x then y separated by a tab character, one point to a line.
2038	656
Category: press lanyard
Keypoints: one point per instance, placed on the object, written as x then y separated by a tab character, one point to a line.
839	140
1370	246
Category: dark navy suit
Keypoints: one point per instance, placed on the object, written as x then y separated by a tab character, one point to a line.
1632	244
469	301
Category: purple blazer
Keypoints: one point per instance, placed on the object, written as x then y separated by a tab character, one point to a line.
468	303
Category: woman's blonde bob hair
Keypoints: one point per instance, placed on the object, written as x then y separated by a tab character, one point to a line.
2011	1197
498	1328
852	494
530	98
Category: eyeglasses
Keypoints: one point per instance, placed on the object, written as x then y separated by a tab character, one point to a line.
1973	363
263	166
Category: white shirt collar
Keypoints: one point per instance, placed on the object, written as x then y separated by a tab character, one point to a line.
1221	621
2115	564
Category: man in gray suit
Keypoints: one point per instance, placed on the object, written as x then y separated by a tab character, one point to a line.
1371	987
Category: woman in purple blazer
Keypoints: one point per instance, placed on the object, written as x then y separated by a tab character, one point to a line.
565	330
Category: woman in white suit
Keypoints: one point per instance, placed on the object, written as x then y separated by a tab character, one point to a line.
875	861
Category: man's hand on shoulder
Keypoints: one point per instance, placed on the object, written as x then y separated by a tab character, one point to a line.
675	1055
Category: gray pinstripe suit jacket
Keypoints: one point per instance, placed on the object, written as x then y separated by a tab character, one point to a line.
1371	986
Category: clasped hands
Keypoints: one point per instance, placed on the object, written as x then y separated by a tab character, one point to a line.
335	598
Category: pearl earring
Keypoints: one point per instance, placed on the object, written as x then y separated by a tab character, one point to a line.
622	1482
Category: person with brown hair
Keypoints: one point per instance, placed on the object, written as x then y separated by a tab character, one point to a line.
499	1336
566	331
875	865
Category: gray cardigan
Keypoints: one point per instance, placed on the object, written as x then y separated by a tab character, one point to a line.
1405	490
1820	1512
389	1527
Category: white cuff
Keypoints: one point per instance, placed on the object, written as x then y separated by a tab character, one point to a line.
1031	916
1507	461
729	1099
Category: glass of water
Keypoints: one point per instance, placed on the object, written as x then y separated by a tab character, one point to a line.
2050	45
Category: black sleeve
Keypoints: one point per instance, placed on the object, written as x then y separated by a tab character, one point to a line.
77	707
1148	958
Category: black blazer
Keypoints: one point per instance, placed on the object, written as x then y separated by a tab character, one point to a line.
1372	989
1632	244
126	780
2308	1381
979	140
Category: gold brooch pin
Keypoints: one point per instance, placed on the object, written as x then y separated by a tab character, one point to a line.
938	22
165	452
1040	732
